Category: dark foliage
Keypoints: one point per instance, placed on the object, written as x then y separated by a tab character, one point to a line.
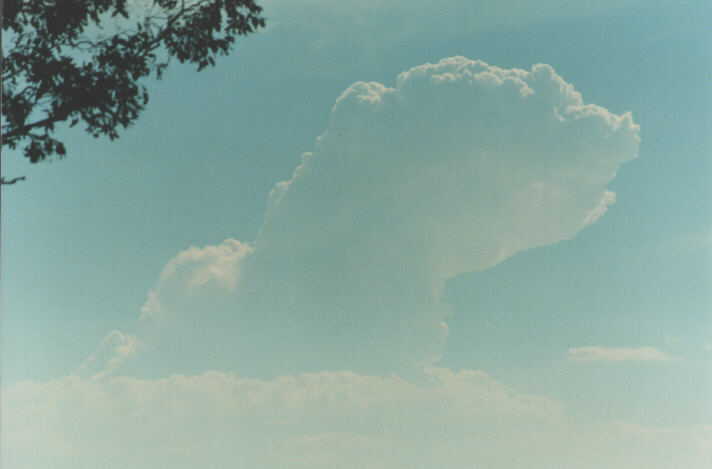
82	61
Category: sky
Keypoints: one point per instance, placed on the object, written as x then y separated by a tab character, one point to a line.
379	235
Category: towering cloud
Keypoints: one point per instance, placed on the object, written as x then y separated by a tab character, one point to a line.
454	169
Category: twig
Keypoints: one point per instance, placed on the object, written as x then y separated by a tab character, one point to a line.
12	181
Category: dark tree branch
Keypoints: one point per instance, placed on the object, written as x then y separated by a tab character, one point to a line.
11	181
25	129
65	73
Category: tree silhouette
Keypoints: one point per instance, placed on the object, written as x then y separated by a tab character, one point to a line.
84	60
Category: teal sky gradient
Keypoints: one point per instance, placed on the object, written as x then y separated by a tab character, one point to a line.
85	238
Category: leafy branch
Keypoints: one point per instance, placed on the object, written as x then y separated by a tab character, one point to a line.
59	68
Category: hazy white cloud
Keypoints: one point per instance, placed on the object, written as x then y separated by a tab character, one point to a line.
325	420
599	210
616	354
312	420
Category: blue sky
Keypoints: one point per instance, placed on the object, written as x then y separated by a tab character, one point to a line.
587	333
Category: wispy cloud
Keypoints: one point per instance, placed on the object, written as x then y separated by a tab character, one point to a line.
617	354
112	351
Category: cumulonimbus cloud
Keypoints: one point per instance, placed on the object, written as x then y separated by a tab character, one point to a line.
458	166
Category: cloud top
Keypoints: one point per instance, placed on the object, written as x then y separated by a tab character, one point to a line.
459	166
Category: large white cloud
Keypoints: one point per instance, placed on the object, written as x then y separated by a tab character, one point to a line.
457	167
326	420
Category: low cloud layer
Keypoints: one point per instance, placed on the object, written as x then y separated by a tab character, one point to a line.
598	353
326	420
456	168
